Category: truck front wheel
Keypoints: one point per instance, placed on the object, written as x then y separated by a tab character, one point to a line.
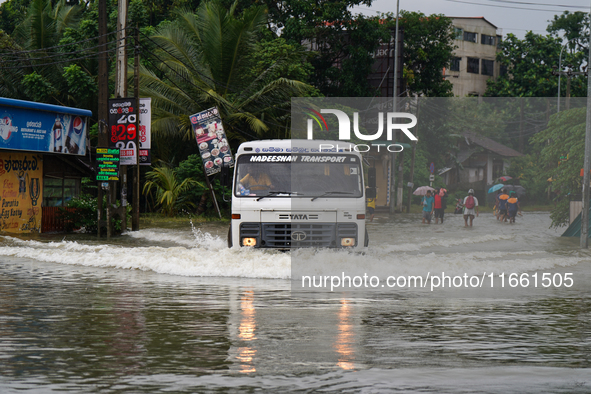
366	244
230	236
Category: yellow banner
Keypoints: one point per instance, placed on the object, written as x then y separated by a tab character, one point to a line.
21	182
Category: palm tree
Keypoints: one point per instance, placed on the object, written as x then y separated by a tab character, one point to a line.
34	62
169	192
201	61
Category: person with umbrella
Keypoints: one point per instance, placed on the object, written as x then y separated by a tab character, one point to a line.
470	207
428	202
513	206
503	205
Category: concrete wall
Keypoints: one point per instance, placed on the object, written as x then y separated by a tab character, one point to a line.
465	83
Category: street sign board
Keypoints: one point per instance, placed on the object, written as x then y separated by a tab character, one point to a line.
432	168
107	164
122	128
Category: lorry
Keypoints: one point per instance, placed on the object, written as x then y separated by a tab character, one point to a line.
296	194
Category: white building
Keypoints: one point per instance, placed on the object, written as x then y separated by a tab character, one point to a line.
477	41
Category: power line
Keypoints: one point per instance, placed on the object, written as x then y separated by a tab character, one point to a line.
502	6
542	4
58	62
56	54
71	43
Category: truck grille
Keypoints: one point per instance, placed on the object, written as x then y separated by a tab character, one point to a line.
298	235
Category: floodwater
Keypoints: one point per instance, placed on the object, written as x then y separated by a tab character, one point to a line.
172	309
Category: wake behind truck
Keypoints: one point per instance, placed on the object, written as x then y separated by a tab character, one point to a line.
296	194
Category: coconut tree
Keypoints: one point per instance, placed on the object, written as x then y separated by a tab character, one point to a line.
34	61
202	60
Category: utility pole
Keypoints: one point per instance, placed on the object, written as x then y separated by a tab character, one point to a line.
569	73
121	91
412	159
586	169
394	108
135	216
103	95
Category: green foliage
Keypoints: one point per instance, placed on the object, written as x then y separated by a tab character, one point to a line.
82	213
530	172
561	150
170	194
202	60
342	43
12	12
38	87
529	68
428	48
192	168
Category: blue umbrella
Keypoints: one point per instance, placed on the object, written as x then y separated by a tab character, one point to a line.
495	188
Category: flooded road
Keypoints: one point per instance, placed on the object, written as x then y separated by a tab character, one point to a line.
172	309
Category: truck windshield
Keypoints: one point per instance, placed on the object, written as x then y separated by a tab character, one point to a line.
296	176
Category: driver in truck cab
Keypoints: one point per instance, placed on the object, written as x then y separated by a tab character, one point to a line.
256	180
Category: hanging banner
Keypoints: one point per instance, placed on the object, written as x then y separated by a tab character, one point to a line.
145	131
21	176
122	129
212	141
37	127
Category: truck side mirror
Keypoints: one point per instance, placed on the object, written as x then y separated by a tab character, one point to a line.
226	176
371	177
370	192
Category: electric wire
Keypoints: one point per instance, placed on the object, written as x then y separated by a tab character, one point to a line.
61	54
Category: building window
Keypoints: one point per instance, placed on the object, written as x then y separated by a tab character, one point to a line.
499	41
455	64
497	169
459	33
468	36
58	191
488	67
487	40
473	65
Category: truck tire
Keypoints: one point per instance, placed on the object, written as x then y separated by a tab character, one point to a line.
366	244
230	236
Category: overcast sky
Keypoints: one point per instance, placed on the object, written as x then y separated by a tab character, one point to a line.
510	16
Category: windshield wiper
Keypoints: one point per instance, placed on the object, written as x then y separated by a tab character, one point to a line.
274	192
329	193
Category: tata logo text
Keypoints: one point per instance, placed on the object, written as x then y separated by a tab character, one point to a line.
345	124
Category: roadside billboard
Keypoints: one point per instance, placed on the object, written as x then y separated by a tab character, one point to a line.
36	127
145	131
21	181
122	129
211	140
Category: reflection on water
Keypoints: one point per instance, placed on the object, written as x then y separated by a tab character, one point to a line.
345	337
247	332
156	312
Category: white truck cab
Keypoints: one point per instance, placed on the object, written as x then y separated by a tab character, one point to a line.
298	193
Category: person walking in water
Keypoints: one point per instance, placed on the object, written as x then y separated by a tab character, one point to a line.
437	207
470	207
513	206
427	207
503	197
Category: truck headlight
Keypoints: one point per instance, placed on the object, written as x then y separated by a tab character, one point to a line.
249	241
347	242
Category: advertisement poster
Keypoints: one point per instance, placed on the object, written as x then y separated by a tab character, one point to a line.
145	131
122	128
42	131
212	142
107	164
21	178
